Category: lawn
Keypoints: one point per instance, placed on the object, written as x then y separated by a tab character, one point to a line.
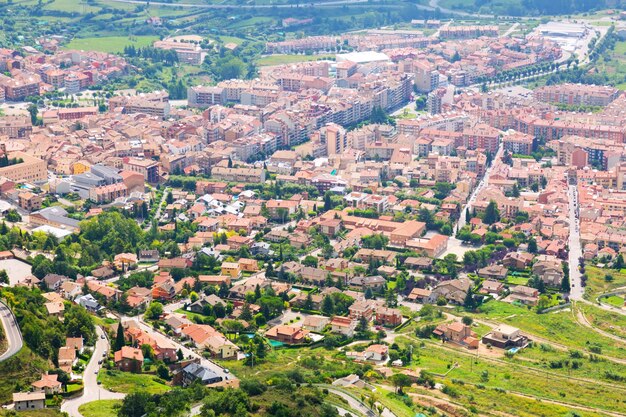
47	412
608	321
597	284
100	408
513	376
127	382
290	59
111	44
558	327
512	280
614	300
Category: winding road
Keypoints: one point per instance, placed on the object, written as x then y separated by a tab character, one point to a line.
11	331
92	391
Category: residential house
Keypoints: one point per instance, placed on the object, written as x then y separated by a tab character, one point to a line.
164	290
458	333
196	372
200	305
76	343
364	308
517	260
343	325
149	255
419	295
389	317
315	323
54	281
287	334
375	282
55	308
454	291
232	269
490	287
523	295
421	263
505	337
129	359
497	272
67	358
49	384
550	269
29	400
248	265
89	302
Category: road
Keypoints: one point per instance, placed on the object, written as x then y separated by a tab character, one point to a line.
339	3
92	391
575	250
11	331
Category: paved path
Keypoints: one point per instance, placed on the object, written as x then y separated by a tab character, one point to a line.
92	391
11	332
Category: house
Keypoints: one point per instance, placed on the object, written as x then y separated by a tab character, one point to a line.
523	295
248	265
419	295
374	353
389	317
498	272
287	334
67	358
164	290
124	260
49	384
29	400
53	281
454	290
150	255
374	282
432	246
129	359
138	297
517	260
315	323
174	263
458	333
343	325
76	343
196	372
55	308
421	263
260	248
505	337
232	269
70	290
550	269
492	287
360	309
89	302
209	300
103	272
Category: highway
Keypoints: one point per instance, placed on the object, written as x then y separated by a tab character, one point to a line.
92	391
11	331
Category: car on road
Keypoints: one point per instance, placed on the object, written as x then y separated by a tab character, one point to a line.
96	372
100	362
101	336
226	370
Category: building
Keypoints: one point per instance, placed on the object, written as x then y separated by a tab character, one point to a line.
458	333
148	168
49	384
389	317
129	359
343	325
28	169
196	372
287	334
577	94
205	96
505	337
23	401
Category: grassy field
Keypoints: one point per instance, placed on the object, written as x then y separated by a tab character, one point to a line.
48	412
597	284
290	59
18	372
111	44
512	376
614	300
608	321
101	408
558	327
126	382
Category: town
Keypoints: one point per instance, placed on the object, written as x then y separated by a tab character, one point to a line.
425	220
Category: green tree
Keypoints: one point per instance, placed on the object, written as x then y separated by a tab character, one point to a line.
492	214
328	306
154	311
4	277
400	381
120	341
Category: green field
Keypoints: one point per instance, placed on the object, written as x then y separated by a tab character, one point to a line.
610	322
290	59
111	44
101	408
596	282
614	300
126	382
47	412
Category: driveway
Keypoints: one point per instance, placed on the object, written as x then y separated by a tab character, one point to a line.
12	332
92	391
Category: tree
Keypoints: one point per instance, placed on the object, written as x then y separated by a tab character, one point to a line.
467	320
120	341
515	192
135	404
469	303
154	311
532	245
492	214
328	306
163	372
619	262
193	296
400	381
269	269
4	277
308	303
180	355
310	261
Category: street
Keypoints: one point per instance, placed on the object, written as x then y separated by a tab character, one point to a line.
575	251
12	332
92	391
